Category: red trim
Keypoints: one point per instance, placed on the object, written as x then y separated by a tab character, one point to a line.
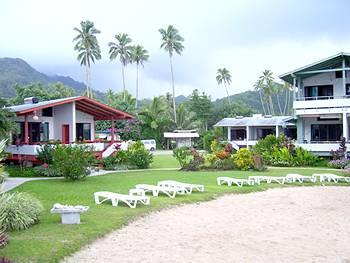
113	130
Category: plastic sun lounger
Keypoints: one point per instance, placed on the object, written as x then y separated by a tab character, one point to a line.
130	200
229	181
276	179
169	191
331	177
259	179
189	187
292	178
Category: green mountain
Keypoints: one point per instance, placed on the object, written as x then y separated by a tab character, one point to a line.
17	71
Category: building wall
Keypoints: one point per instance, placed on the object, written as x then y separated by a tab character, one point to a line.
313	120
64	114
41	119
82	117
327	78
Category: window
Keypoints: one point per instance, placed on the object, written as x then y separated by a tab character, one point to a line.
347	89
83	131
44	131
263	132
326	132
238	134
47	112
339	74
319	92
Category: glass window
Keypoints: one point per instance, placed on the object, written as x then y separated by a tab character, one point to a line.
338	74
47	112
44	131
326	132
83	131
238	134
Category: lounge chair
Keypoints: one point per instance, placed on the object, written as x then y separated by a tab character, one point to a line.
259	179
188	187
331	177
229	181
155	189
292	178
130	200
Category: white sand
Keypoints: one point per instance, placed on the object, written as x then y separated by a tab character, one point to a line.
306	224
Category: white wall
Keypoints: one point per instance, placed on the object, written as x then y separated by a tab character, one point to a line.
63	114
82	117
327	78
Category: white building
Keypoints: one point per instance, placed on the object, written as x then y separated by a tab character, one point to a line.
246	131
322	103
181	137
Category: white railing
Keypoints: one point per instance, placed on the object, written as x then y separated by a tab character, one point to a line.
319	147
321	102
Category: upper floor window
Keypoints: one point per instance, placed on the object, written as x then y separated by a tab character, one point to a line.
47	112
338	74
347	89
319	92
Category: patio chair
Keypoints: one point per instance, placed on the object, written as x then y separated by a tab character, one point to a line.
188	187
292	178
259	179
130	200
229	181
155	189
331	177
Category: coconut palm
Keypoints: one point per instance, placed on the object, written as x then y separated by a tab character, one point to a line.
268	86
172	41
88	48
122	49
259	88
139	55
224	77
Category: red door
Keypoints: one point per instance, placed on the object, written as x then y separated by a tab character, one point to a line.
65	133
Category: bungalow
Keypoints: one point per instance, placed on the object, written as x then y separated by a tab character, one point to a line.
246	131
321	103
67	121
181	137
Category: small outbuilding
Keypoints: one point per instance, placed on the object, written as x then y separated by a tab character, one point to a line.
181	137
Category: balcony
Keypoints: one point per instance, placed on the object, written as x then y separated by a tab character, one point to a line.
321	104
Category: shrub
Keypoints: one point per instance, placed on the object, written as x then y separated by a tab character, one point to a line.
117	161
340	152
18	211
72	162
3	238
139	156
46	170
243	159
196	162
182	155
339	164
304	158
5	260
17	171
45	154
281	157
258	163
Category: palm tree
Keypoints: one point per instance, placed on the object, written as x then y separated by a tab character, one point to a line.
186	119
138	55
172	41
88	48
224	76
121	48
259	87
268	85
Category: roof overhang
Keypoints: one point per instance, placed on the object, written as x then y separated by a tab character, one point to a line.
334	63
97	109
181	135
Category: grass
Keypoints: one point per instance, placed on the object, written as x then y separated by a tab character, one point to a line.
164	161
49	241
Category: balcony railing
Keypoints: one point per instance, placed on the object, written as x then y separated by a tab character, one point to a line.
322	98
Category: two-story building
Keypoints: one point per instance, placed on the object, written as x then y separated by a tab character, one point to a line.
321	103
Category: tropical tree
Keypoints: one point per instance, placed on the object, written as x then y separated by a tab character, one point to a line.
223	76
172	41
121	100
186	119
122	49
139	55
268	86
202	106
258	86
88	49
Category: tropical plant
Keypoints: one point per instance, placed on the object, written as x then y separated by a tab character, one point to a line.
45	153
223	76
182	154
72	161
172	41
269	88
138	156
117	161
258	86
5	260
88	49
19	211
122	101
186	119
122	49
3	238
3	173
243	159
202	106
139	55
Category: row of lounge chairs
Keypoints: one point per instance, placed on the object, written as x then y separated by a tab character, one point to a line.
289	178
138	194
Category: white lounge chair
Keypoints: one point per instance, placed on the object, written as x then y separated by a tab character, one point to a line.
155	189
259	179
229	181
188	187
292	178
130	200
331	177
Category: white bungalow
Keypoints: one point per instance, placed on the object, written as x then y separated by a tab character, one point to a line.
322	102
67	121
181	137
246	131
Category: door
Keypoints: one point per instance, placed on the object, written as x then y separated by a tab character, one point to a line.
65	133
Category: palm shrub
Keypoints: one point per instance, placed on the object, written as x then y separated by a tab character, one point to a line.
72	162
3	174
19	211
138	156
243	159
182	155
3	238
116	161
45	154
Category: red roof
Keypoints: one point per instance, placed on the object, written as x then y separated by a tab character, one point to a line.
97	109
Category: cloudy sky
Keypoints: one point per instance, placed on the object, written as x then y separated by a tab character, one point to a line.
244	36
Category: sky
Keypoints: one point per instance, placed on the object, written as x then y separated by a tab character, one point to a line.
246	37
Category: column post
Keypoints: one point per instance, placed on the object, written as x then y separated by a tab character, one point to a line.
300	130
229	133
345	127
344	78
247	131
112	130
277	131
26	129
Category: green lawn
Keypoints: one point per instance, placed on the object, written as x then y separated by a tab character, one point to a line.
49	241
164	161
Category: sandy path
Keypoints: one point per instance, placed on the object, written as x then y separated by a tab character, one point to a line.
282	225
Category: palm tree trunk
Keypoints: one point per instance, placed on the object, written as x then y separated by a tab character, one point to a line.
137	83
87	81
90	88
271	105
123	82
285	101
172	79
262	102
228	96
278	103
